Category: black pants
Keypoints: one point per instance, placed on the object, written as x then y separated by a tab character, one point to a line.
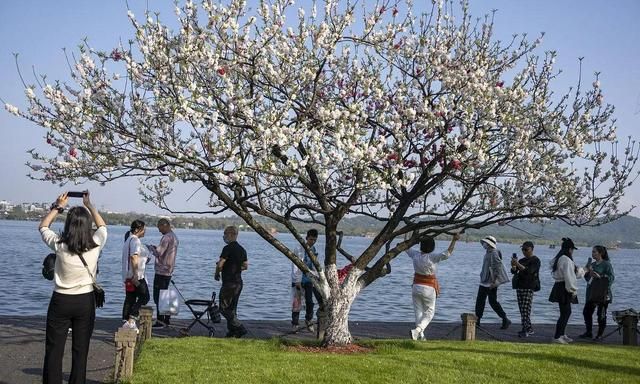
587	312
309	292
160	282
77	312
229	295
481	300
134	300
565	314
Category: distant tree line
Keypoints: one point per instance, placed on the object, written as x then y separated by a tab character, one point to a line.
623	233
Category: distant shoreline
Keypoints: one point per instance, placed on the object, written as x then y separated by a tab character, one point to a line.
623	233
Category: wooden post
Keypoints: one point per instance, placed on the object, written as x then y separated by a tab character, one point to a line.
146	316
125	341
629	325
468	326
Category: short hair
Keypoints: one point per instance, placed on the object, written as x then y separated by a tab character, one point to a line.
427	245
231	230
312	233
164	221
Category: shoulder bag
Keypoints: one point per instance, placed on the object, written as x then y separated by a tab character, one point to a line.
48	266
598	289
98	292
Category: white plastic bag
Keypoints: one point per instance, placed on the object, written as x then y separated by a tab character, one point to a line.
168	302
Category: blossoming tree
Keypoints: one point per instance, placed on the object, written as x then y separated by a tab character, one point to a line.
424	122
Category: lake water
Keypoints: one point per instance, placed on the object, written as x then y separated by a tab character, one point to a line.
266	283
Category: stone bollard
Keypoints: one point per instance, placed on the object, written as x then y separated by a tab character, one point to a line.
146	318
629	332
125	341
468	326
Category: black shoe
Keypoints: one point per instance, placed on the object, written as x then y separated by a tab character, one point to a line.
240	332
586	335
523	334
505	323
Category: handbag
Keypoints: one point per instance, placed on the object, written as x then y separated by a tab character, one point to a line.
515	280
598	290
48	266
98	292
536	288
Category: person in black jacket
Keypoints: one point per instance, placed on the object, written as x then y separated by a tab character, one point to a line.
525	281
233	261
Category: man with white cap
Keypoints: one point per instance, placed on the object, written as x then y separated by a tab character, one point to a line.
493	274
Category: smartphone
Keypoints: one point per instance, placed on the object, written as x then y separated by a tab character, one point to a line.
515	256
75	194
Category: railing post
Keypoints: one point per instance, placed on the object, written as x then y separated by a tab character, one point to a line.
629	332
125	342
468	326
146	316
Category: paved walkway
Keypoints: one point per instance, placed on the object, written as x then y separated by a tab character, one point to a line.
22	341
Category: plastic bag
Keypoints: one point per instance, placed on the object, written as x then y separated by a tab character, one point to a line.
168	302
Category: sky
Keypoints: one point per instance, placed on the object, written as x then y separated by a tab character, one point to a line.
605	33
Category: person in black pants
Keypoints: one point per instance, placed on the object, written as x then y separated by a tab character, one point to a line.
600	268
564	291
72	304
134	261
492	275
233	260
307	285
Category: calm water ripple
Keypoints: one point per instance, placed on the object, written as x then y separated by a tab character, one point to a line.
266	283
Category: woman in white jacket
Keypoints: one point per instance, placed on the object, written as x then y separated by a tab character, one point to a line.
565	290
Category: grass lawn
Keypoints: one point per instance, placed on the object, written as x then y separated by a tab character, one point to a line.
205	360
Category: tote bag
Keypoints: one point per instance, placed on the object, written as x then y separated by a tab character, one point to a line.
168	302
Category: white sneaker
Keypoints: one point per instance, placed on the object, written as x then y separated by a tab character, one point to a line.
559	340
567	338
422	336
415	334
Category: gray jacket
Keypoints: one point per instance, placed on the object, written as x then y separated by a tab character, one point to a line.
493	271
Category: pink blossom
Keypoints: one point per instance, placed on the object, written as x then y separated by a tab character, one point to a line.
409	163
116	55
221	71
500	84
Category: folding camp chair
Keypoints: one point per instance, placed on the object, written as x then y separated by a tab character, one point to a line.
199	308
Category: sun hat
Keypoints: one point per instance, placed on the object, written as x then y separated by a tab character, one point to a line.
490	241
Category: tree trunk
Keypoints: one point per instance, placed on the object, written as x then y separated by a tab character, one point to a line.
337	308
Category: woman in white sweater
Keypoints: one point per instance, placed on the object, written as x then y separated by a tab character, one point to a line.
72	304
565	290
